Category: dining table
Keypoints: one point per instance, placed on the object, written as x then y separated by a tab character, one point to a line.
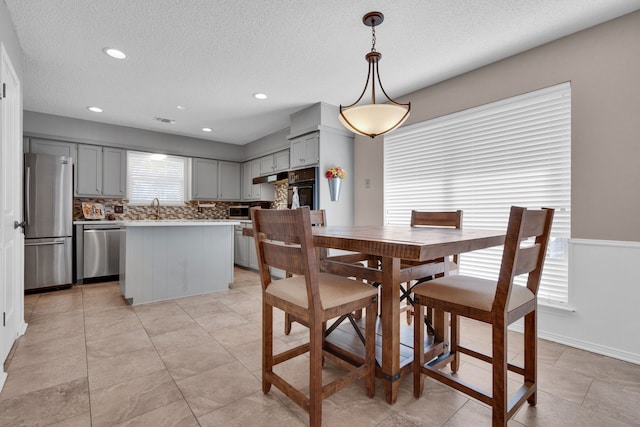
395	254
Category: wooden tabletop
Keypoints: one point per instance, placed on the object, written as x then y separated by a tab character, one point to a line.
406	242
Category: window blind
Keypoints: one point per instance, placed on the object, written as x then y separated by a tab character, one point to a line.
484	160
148	178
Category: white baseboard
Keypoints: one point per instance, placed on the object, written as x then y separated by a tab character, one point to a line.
23	329
603	296
583	345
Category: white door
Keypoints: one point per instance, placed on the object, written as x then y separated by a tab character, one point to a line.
11	238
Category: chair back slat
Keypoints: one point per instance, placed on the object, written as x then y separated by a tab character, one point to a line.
318	217
527	260
288	258
518	256
436	219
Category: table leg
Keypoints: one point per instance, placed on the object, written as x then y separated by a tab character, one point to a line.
390	319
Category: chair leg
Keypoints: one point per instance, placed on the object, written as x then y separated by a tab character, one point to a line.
418	349
316	335
370	348
267	345
530	352
453	343
499	353
287	324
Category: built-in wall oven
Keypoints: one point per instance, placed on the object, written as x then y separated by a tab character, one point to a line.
306	181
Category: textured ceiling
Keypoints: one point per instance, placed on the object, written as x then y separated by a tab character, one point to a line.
211	56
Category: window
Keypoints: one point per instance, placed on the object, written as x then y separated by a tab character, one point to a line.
153	175
483	160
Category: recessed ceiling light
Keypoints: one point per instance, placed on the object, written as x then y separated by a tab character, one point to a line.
181	107
259	95
207	129
114	53
95	109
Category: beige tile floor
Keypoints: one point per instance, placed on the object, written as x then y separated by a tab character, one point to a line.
89	359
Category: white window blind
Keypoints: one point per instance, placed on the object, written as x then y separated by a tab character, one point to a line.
149	176
484	160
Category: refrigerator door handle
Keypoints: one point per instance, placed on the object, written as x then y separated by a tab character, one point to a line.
27	197
45	244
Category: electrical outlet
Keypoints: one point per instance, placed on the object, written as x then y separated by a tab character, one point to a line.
118	209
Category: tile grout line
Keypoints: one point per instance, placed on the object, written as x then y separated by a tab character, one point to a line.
165	367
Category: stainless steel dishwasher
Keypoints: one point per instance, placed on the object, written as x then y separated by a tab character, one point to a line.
101	252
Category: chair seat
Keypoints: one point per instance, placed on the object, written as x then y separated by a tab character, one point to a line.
334	290
471	292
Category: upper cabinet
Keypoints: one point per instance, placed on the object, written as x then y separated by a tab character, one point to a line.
228	180
305	150
114	172
52	147
251	191
215	180
101	171
89	171
276	162
205	179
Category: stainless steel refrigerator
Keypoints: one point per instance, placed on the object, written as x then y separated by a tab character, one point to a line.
48	207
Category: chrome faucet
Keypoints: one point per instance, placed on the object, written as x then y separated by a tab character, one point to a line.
156	203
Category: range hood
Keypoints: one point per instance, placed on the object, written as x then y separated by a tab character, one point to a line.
271	179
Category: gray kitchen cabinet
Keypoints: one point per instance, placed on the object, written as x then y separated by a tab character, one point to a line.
228	180
101	171
247	181
276	162
54	148
266	165
281	161
114	172
251	191
205	179
241	246
89	170
305	150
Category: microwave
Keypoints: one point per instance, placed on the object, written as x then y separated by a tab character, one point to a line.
238	212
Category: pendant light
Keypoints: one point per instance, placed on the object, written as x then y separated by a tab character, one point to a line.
373	119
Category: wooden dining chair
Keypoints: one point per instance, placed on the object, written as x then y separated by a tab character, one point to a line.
432	268
283	240
318	219
498	303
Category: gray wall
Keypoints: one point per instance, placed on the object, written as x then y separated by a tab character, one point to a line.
88	132
268	144
603	65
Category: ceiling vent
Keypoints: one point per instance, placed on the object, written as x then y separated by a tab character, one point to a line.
163	120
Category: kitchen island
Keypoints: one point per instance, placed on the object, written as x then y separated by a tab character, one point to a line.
166	259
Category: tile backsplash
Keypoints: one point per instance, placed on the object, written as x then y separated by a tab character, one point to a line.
190	210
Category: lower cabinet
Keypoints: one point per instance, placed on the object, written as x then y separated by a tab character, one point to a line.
244	249
240	247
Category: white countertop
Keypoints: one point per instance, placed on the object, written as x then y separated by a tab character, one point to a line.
100	221
178	222
162	222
